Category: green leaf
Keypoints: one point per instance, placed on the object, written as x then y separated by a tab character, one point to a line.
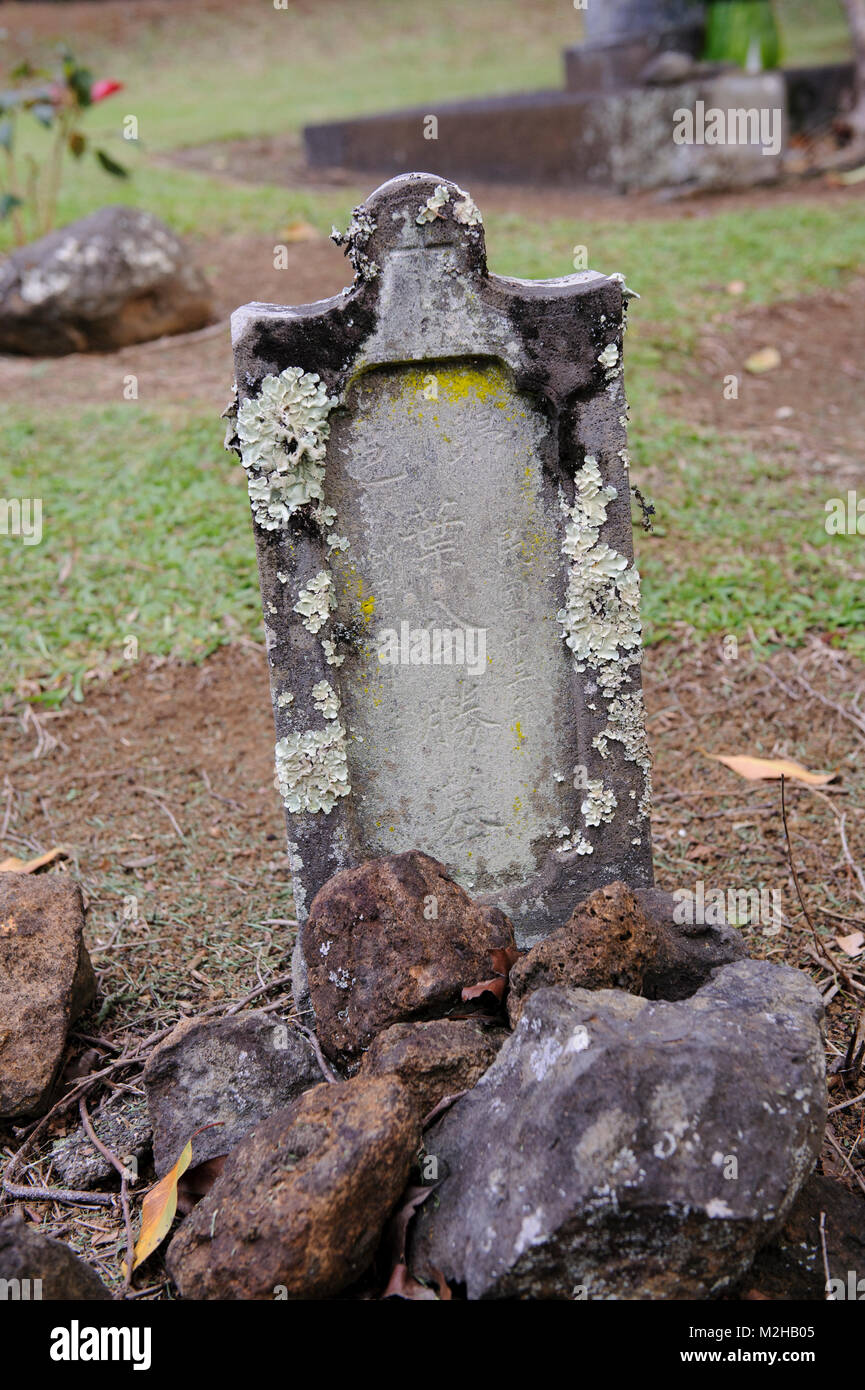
80	80
110	165
8	203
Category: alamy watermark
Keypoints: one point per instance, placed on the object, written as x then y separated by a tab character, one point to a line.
433	646
739	125
845	516
21	517
713	907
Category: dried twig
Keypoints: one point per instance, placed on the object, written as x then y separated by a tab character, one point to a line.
839	970
848	856
326	1069
124	1183
825	1255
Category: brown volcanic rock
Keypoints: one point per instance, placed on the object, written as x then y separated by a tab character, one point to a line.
435	1059
608	943
302	1200
46	981
393	941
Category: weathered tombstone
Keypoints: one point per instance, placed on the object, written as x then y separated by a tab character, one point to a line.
622	36
438	473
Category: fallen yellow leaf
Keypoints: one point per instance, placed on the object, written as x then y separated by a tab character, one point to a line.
770	769
29	866
158	1210
299	231
852	945
766	360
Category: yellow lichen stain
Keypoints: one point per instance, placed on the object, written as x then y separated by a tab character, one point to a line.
488	385
517	729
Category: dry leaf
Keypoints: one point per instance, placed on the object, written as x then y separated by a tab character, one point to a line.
502	960
769	769
298	231
29	866
852	945
766	360
158	1210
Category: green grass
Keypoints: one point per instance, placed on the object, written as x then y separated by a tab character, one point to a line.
739	542
144	535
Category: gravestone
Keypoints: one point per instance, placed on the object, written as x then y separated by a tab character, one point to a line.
438	473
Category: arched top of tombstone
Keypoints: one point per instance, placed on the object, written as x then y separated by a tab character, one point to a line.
421	291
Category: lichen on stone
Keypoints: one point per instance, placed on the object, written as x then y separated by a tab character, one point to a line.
355	241
325	699
467	211
599	803
282	434
430	211
330	652
601	616
315	602
601	625
609	360
311	769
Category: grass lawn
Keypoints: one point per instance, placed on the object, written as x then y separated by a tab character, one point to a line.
143	513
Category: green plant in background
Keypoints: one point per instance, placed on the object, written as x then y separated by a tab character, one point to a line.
743	32
29	191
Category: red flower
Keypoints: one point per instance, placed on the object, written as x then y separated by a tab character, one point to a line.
104	88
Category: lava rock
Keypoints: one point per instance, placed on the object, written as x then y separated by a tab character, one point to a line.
791	1265
435	1059
117	277
607	943
619	938
123	1127
300	1206
393	941
687	952
25	1254
620	1148
46	981
229	1073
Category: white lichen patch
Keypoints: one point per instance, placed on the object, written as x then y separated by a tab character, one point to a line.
602	614
601	621
311	769
467	211
609	360
431	209
284	700
356	240
282	433
330	653
315	602
337	542
599	803
325	699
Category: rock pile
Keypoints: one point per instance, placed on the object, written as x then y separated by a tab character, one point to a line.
629	1110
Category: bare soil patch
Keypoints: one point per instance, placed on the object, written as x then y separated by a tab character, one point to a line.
812	406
